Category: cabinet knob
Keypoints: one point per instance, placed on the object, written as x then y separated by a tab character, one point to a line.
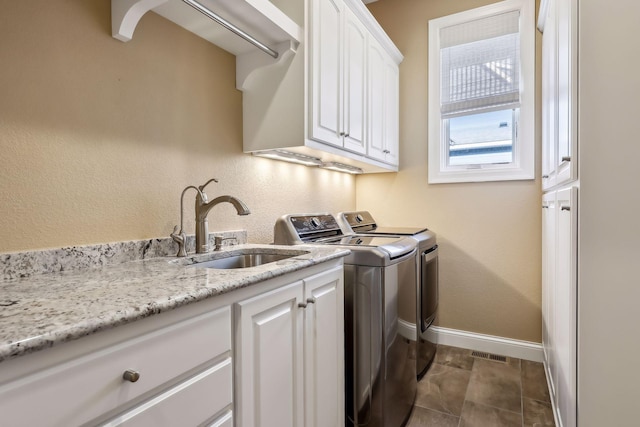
302	305
565	208
311	300
566	158
346	135
131	376
341	133
386	151
545	176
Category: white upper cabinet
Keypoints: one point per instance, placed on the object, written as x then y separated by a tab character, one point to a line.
330	101
350	84
558	23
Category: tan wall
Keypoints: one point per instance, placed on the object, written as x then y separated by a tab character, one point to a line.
489	233
98	137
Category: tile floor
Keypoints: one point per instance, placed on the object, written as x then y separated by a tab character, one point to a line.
460	390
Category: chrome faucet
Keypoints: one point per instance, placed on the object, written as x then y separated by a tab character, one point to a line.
203	206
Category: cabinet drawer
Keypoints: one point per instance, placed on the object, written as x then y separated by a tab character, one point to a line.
189	403
82	389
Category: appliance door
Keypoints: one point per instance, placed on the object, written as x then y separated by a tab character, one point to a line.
427	305
380	373
400	363
428	287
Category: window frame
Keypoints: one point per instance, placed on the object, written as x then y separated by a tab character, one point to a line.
523	165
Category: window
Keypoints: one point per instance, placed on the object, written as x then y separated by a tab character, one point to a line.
481	94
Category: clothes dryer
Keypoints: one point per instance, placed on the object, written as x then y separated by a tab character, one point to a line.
418	306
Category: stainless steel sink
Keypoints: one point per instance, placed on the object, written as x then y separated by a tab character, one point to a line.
241	259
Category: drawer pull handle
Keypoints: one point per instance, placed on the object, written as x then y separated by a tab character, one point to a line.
131	375
566	159
302	305
311	300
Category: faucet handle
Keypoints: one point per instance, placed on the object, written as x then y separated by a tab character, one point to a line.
219	239
180	238
201	187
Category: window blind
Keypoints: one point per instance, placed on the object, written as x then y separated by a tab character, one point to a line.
480	65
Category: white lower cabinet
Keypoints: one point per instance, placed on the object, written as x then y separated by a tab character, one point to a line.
181	368
560	317
172	364
290	355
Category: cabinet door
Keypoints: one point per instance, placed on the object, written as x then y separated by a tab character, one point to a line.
392	112
548	283
269	351
549	97
324	349
559	94
565	316
383	105
566	166
355	48
326	80
376	108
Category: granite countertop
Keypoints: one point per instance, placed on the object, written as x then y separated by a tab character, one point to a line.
42	311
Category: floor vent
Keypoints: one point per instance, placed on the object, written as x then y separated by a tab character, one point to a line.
489	356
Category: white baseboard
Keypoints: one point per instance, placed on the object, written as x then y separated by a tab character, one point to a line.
526	350
554	407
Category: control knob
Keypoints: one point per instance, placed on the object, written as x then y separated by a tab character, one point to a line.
315	222
359	218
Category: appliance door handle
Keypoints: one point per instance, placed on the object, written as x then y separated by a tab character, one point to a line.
430	254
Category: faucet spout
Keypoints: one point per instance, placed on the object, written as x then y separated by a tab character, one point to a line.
202	211
241	208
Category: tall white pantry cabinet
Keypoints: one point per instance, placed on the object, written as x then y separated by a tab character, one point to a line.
591	209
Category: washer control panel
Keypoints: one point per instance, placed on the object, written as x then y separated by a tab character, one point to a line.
314	224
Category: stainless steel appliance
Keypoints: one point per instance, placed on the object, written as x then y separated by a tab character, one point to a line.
426	288
380	383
